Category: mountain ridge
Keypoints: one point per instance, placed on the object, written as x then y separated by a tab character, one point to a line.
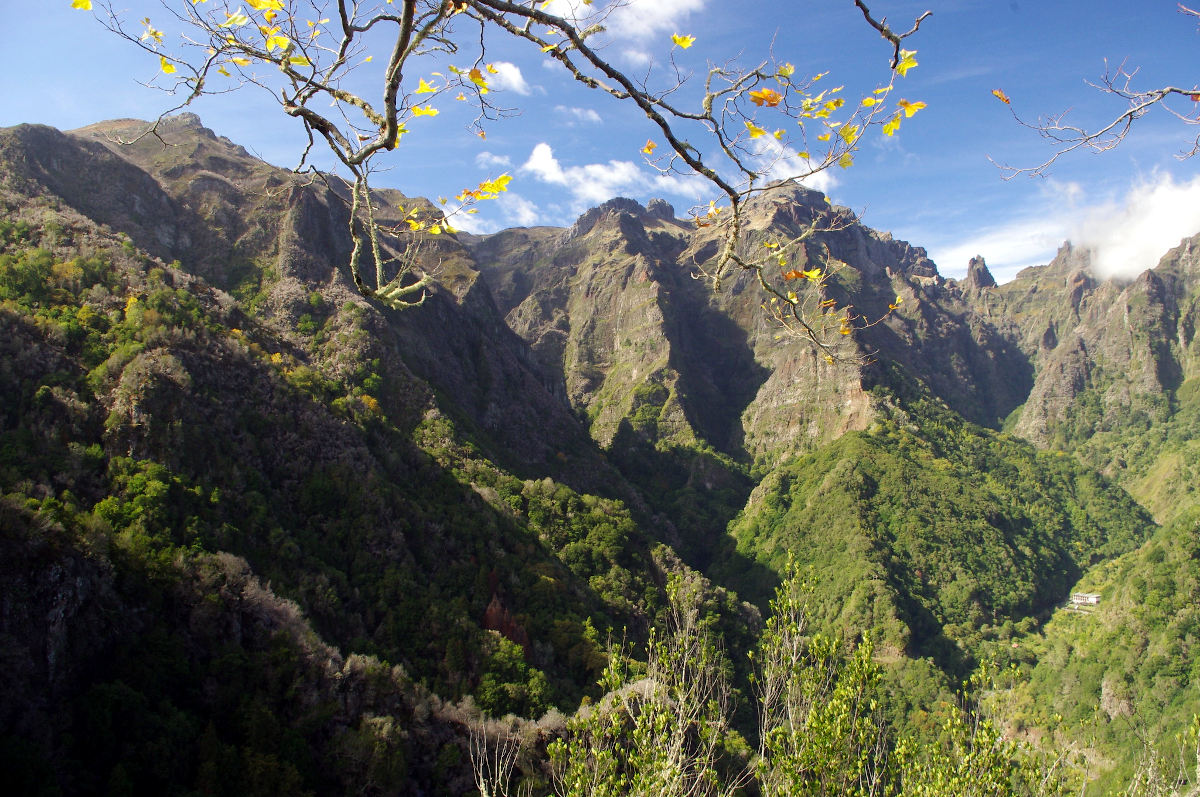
481	488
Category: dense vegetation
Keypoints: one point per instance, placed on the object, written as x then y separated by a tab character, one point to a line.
937	534
148	430
1126	669
278	557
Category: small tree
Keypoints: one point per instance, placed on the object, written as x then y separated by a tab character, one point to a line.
307	55
821	728
664	732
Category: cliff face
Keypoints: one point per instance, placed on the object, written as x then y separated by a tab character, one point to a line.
611	307
1112	358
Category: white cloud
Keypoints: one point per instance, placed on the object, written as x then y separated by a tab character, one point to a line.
637	57
1007	248
645	19
638	21
579	114
574	10
488	160
594	183
475	225
508	77
1130	237
519	211
1126	236
778	162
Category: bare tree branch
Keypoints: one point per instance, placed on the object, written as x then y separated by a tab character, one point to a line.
1066	137
306	64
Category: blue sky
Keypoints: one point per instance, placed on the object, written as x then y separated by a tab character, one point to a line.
569	148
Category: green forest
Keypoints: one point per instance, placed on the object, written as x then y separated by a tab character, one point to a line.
264	545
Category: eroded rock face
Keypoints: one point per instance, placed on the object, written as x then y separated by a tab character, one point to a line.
1128	343
611	307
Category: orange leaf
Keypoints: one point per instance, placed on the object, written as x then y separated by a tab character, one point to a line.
1000	95
766	96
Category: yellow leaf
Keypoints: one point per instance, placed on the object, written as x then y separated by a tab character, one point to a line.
235	20
499	185
435	229
869	101
425	88
241	61
910	107
787	70
883	90
168	68
367	60
848	133
478	79
802	155
765	96
82	5
1000	95
812	275
461	97
683	42
428	110
846	161
299	60
649	148
482	134
549	47
755	130
907	62
222	70
492	70
270	15
892	125
824	136
778	134
263	5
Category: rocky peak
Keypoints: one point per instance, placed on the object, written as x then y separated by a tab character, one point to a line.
660	209
978	276
613	207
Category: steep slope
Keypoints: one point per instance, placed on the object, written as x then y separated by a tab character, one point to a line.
347	455
1116	368
612	305
477	490
935	533
1119	679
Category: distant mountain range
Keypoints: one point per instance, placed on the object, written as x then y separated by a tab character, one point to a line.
255	525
